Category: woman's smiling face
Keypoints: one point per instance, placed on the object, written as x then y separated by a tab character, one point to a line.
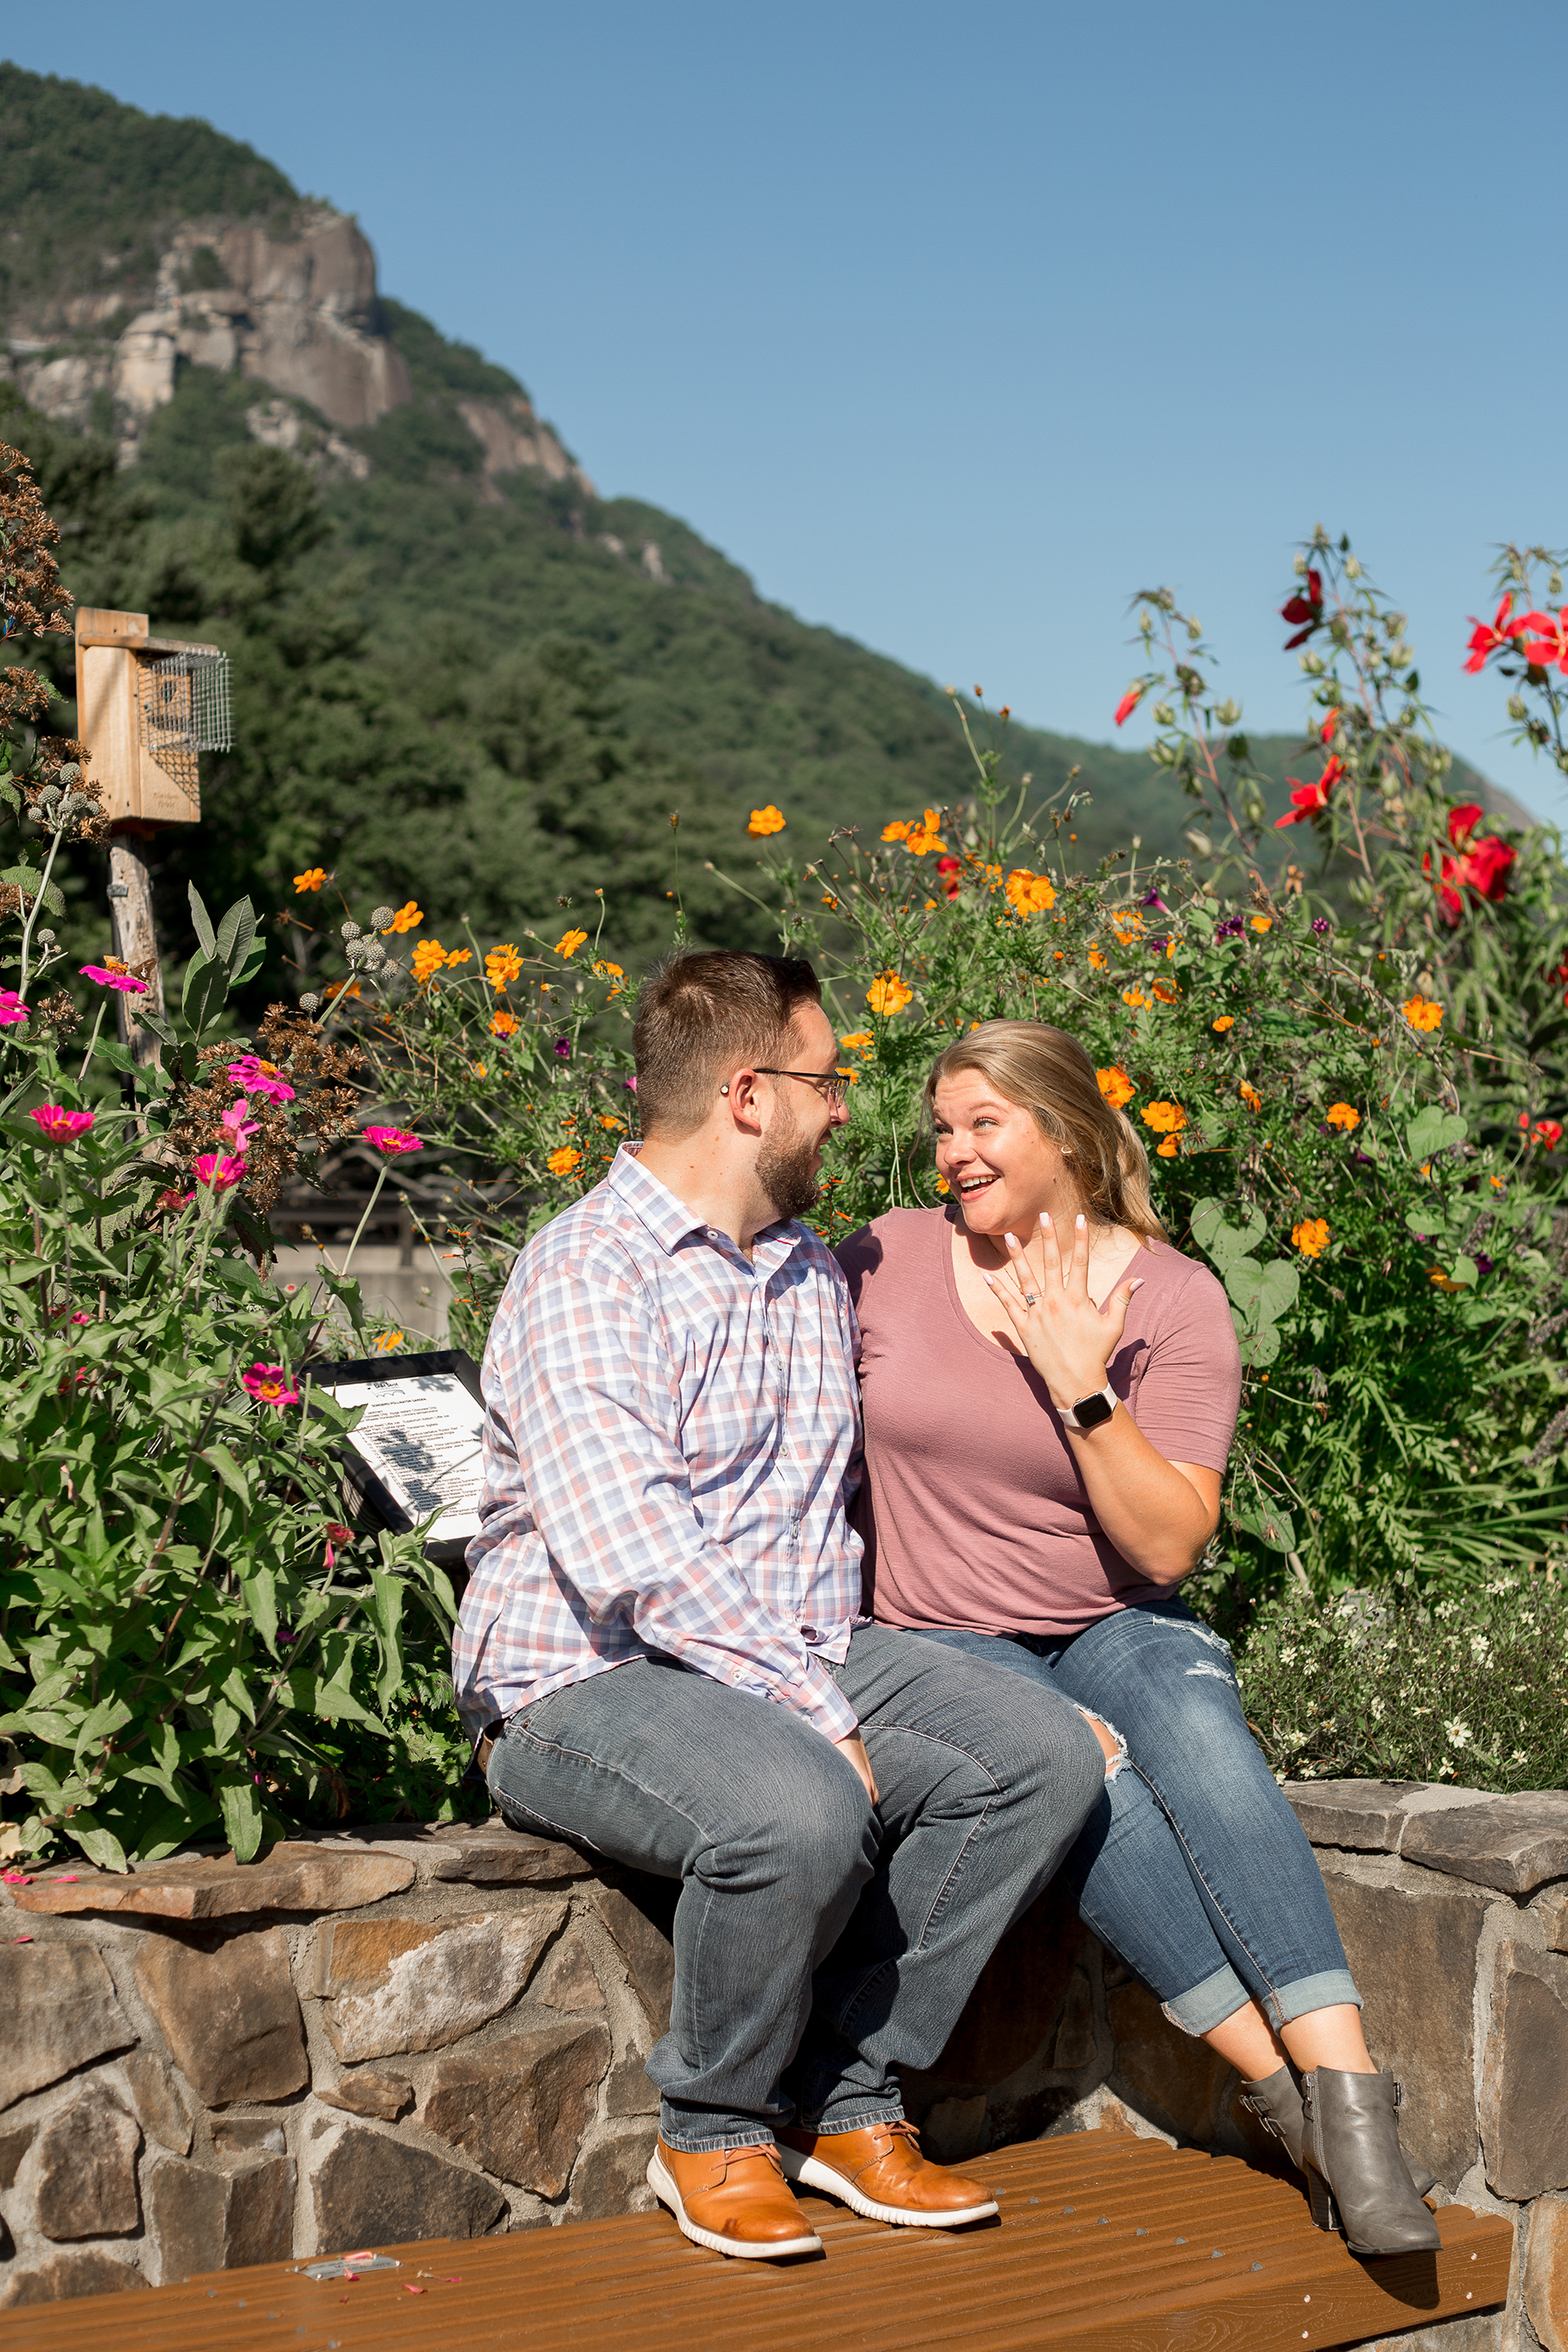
1001	1169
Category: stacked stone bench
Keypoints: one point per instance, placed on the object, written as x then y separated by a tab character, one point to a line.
409	2033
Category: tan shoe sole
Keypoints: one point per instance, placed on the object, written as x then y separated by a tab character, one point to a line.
741	2249
813	2173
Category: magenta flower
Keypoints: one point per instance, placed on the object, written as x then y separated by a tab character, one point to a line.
219	1169
269	1384
60	1125
260	1078
125	982
237	1126
171	1201
12	1009
336	1536
391	1140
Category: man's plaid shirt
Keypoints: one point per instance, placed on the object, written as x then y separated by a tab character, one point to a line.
671	1440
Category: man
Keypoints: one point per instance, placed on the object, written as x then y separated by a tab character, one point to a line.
663	1632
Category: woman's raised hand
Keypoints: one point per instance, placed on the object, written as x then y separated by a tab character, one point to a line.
1068	1338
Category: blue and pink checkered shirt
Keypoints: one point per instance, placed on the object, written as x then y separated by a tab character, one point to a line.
671	1440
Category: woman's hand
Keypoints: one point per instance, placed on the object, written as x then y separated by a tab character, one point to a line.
1068	1338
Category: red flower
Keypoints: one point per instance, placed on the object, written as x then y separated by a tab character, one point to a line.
1495	636
1306	609
1482	865
1550	646
1128	703
1547	1133
1310	800
949	869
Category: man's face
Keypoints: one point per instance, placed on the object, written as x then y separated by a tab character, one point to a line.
790	1156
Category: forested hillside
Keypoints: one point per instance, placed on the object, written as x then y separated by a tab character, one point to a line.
459	674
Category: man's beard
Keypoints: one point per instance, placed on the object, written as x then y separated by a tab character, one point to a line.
786	1173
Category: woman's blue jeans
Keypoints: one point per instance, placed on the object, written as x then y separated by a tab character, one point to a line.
1192	1866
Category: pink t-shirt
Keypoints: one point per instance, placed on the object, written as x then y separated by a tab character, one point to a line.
973	1510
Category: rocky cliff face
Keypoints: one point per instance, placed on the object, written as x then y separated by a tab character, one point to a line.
295	312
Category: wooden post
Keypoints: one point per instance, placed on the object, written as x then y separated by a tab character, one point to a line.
135	937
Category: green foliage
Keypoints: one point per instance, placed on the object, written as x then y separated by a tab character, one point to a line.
1472	1689
189	1641
87	186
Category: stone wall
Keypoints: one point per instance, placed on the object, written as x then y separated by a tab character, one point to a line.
405	2033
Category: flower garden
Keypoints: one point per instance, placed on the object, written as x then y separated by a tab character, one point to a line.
1341	1036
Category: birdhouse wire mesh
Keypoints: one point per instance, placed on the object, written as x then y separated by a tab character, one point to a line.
184	704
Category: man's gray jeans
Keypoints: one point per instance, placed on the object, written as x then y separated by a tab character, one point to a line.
819	1945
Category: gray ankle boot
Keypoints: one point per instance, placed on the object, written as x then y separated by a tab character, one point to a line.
1277	2103
1356	2177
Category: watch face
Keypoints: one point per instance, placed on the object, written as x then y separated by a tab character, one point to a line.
1091	1411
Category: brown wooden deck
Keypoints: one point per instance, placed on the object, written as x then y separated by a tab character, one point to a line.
1107	2244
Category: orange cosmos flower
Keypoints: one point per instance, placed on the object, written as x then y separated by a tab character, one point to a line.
503	1024
764	821
562	1162
503	965
1164	1118
1030	894
887	994
310	880
1096	960
1422	1012
1136	998
1227	1020
1115	1085
1251	1097
1343	1115
860	1041
1168	1150
569	943
1310	1236
1261	923
408	918
428	958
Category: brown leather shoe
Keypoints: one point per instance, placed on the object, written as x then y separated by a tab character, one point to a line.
882	2174
734	2201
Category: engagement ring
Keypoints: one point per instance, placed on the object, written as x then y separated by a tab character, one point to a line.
1028	1297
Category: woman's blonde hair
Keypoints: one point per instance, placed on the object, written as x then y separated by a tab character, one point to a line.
1047	1074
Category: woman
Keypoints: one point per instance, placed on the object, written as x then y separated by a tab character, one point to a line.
1050	1392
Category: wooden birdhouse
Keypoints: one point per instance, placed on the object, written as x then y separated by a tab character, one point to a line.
145	708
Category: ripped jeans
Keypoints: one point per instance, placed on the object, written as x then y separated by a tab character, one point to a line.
1192	1866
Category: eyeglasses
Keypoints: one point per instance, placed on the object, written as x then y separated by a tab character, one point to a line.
835	1091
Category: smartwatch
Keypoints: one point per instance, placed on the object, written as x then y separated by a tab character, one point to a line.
1091	1412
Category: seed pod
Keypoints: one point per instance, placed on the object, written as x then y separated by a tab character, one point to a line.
349	931
310	1002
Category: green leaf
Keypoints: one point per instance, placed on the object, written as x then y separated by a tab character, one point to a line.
1224	1242
205	990
100	1846
1280	1288
203	922
241	1807
27	879
1433	1130
227	1720
219	1460
236	937
1271	1527
1260	1347
260	1593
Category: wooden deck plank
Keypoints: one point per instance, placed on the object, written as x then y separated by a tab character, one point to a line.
1106	2243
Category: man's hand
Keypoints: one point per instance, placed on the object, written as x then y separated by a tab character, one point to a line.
853	1751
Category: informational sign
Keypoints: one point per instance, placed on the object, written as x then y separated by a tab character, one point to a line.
418	1447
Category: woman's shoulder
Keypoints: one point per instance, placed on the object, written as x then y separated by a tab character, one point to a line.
1181	1297
889	1240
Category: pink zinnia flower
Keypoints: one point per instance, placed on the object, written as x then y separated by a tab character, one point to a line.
171	1201
269	1384
60	1125
219	1169
126	983
239	1127
391	1140
12	1009
260	1078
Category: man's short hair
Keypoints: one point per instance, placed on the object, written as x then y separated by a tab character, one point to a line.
701	1016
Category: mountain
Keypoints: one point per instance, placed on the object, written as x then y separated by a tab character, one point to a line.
460	673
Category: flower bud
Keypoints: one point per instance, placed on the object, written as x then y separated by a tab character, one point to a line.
71	773
349	931
1299	566
1227	712
310	1002
381	918
1353	569
1516	706
374	953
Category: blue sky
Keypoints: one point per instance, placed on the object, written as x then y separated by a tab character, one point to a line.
957	324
